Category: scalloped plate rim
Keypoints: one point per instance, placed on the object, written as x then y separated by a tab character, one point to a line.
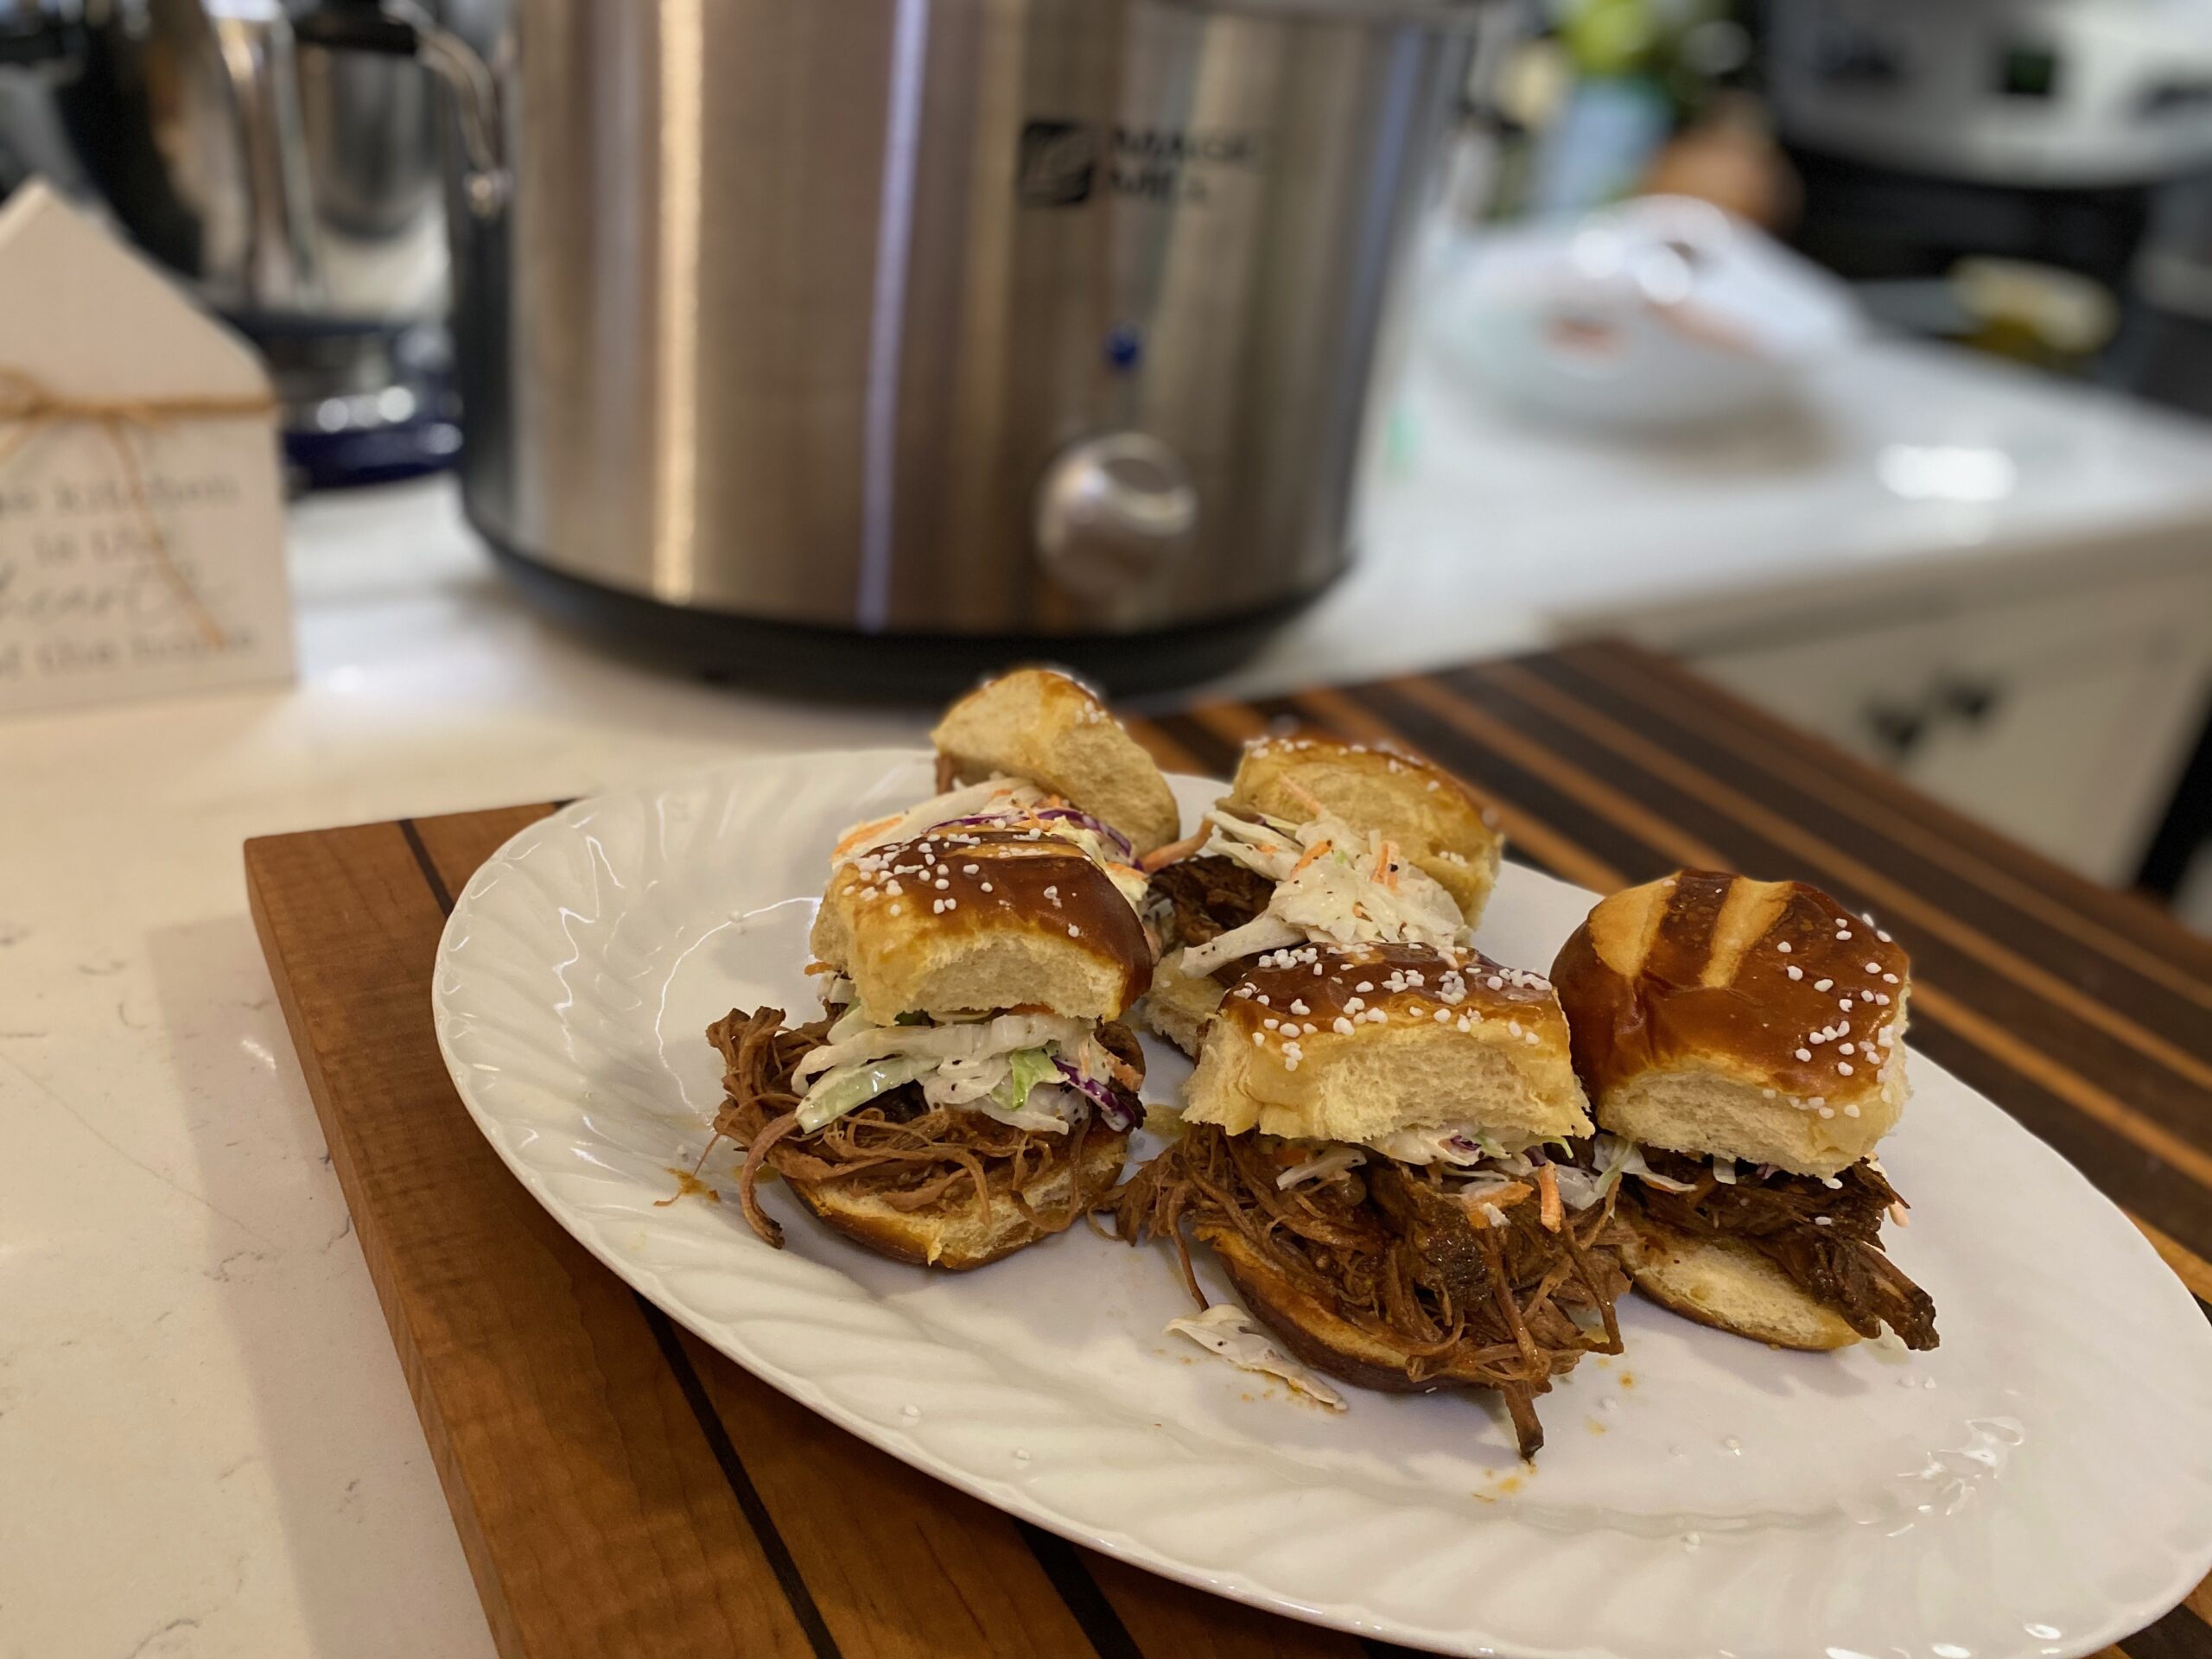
2118	1620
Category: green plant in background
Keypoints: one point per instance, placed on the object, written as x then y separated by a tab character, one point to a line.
1611	38
1593	97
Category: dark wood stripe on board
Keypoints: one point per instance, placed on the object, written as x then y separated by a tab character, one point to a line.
428	865
463	843
2006	980
2057	1102
2148	1001
1531	811
2181	1634
2120	924
2163	1113
1755	852
1205	753
1158	739
732	1464
899	1563
481	1286
1212	735
2189	1267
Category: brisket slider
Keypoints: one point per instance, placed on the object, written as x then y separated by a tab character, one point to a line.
1743	1042
1365	1151
969	1088
1316	839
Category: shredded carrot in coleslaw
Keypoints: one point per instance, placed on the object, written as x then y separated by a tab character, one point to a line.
1160	857
1385	865
1506	1197
861	832
1552	1212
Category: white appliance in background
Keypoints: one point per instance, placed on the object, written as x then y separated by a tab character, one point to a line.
2024	92
1661	312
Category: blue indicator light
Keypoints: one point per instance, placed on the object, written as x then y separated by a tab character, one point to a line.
1124	345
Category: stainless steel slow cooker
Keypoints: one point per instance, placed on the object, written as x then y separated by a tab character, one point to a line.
981	320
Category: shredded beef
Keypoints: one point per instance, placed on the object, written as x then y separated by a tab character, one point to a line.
1210	896
910	1154
1840	1262
1391	1249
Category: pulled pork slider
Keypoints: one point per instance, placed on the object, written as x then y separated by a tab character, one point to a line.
1316	839
963	921
1742	1043
1365	1151
1043	728
969	1088
1436	819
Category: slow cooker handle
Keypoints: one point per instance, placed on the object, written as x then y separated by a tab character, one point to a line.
401	28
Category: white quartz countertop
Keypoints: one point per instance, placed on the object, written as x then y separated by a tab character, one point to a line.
206	1444
1487	532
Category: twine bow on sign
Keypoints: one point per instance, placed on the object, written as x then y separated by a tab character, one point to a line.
28	406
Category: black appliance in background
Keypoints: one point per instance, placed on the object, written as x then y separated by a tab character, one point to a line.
2074	135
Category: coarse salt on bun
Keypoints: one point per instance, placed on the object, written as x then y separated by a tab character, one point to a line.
1438	822
1717	1015
1386	1038
1042	726
961	922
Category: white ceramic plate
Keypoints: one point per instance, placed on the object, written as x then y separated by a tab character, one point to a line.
2042	1483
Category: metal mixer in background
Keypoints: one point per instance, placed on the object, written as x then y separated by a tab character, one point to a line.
848	343
297	189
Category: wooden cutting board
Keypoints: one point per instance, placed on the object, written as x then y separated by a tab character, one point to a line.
620	1488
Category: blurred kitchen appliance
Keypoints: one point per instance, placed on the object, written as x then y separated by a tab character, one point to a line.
2164	348
2032	129
930	323
297	189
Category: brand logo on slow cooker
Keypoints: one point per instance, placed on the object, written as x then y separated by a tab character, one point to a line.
1063	163
1060	163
